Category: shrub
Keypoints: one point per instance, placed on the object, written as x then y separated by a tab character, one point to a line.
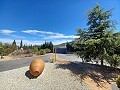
37	53
118	82
113	60
47	50
42	52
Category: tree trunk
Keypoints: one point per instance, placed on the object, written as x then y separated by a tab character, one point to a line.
101	61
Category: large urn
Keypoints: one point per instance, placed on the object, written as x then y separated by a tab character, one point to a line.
36	67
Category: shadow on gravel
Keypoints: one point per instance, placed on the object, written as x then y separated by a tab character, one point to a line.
98	73
27	74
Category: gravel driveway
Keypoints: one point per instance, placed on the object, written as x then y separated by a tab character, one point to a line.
70	57
52	78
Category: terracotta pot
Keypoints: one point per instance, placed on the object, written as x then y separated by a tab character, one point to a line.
36	67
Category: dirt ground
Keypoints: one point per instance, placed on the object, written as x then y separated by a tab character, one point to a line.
103	85
95	76
5	58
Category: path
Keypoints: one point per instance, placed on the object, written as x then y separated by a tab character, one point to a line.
13	64
70	57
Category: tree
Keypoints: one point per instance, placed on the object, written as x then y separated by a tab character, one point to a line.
21	44
94	41
98	22
7	49
48	45
14	46
69	47
35	49
14	42
51	46
24	47
1	48
112	55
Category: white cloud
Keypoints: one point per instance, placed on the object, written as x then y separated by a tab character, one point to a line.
61	36
57	42
28	42
37	31
10	33
6	31
56	38
6	40
50	35
31	31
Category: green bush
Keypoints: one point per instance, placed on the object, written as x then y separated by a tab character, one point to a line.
37	53
47	50
113	60
118	82
42	52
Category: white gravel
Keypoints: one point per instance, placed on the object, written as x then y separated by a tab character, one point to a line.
50	79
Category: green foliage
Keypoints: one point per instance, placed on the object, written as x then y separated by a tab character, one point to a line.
14	46
6	49
1	49
63	44
35	49
69	47
99	22
98	41
41	52
118	82
47	50
21	44
113	60
48	45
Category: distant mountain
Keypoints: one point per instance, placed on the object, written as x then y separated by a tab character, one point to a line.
117	34
63	44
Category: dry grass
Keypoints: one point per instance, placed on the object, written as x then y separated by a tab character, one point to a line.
5	58
58	59
9	57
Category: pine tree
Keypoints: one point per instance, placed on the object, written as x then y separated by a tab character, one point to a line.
93	42
1	48
21	44
99	22
14	42
51	46
14	46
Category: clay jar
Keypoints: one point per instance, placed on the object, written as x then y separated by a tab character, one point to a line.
36	67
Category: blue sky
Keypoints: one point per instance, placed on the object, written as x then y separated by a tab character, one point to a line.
37	21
